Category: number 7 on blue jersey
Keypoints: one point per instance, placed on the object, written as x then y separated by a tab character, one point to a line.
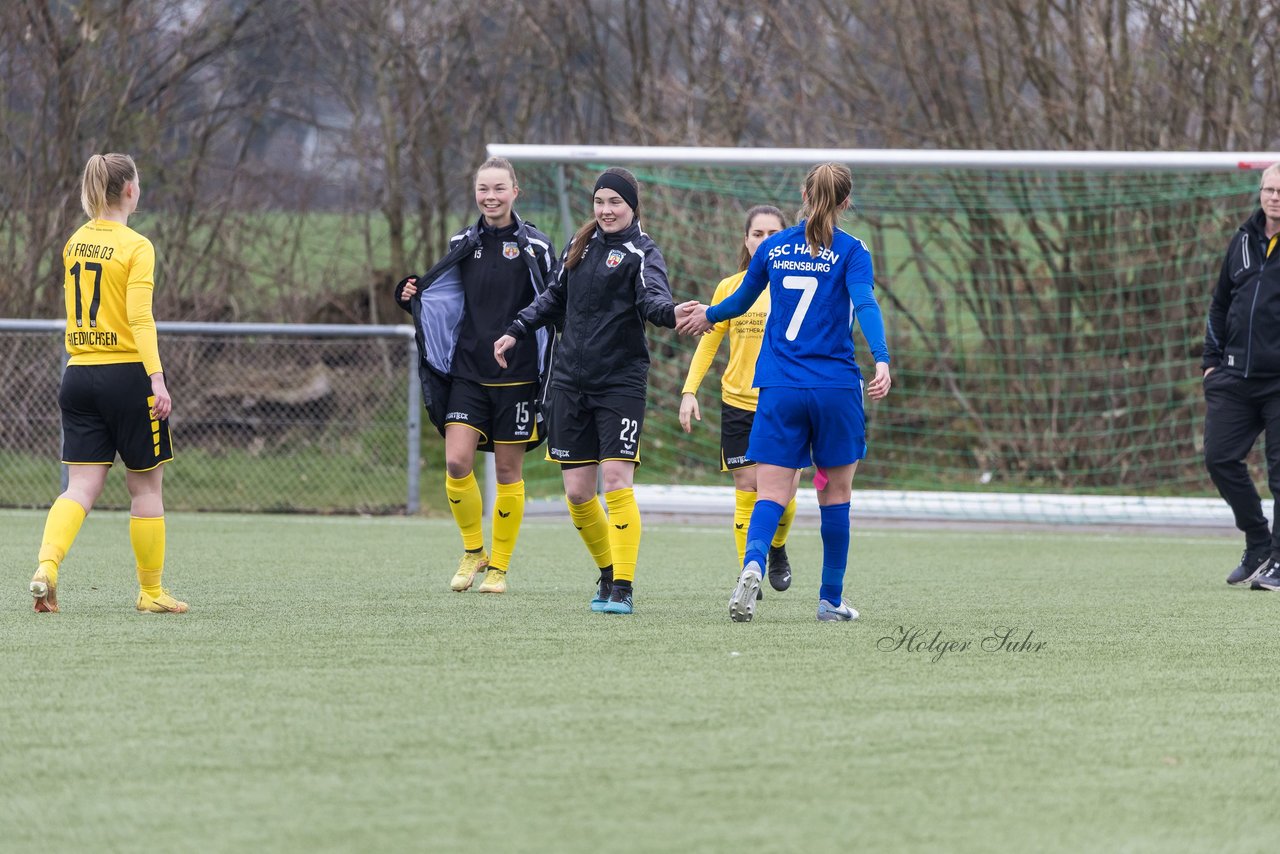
808	286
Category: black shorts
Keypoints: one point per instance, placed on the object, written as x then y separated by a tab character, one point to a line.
107	409
503	414
584	429
735	435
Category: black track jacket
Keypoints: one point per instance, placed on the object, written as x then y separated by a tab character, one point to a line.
1243	332
603	303
437	313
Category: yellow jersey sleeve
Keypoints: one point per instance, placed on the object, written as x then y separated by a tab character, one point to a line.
138	314
710	343
143	327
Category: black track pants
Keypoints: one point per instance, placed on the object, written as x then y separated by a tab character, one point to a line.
1237	411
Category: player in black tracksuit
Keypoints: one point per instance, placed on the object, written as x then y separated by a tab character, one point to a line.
613	279
1241	367
464	302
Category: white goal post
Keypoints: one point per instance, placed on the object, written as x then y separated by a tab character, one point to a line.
889	158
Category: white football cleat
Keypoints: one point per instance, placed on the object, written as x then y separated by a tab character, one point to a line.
742	604
829	613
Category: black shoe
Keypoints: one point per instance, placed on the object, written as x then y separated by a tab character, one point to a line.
603	590
1268	579
1252	562
619	600
779	568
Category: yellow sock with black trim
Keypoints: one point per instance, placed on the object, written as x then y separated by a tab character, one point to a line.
743	502
60	529
624	532
784	524
593	527
146	535
508	513
467	507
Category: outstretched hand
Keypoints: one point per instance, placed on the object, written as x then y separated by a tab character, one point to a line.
691	318
878	388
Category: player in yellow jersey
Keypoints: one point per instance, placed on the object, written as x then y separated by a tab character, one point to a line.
113	395
738	397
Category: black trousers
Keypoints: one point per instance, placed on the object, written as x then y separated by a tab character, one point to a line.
1237	411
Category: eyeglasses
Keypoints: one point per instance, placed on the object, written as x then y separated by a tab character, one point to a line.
1271	191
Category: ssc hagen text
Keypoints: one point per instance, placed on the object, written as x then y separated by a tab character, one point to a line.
801	259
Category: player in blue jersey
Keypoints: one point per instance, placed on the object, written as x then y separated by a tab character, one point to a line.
810	409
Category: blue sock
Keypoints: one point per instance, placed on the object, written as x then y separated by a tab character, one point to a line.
835	551
764	524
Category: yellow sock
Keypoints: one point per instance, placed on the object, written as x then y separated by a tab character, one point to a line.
743	503
467	507
60	529
508	512
146	535
624	532
593	527
784	524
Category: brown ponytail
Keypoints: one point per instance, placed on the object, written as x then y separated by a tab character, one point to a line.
104	178
826	192
578	245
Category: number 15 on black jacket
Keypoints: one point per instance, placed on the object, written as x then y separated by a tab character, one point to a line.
602	305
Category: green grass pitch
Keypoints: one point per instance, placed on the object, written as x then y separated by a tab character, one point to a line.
327	692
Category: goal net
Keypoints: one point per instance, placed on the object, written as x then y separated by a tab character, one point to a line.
1045	315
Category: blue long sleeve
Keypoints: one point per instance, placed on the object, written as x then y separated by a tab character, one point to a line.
861	293
741	300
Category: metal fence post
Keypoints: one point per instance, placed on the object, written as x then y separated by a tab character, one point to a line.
414	422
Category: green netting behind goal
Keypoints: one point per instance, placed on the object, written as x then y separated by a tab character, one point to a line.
1045	326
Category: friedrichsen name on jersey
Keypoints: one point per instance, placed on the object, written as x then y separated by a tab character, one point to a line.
92	339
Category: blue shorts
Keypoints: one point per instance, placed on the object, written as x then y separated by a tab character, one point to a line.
796	425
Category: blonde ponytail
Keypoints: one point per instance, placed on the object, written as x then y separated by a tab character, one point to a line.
826	191
103	182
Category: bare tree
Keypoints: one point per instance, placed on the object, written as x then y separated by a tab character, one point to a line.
76	82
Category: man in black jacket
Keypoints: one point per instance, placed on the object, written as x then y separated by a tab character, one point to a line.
1242	382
